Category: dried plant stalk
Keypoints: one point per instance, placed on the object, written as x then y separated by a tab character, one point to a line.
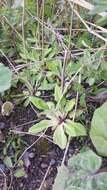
87	5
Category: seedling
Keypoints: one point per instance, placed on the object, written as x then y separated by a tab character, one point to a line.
57	116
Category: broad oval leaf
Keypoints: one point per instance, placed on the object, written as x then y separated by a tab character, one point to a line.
74	129
20	173
87	161
62	176
101	181
98	132
69	105
39	127
5	78
45	85
83	166
38	102
8	161
54	66
59	137
51	105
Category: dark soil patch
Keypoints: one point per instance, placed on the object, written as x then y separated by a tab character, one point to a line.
41	154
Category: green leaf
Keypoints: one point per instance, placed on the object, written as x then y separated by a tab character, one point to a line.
20	173
100	6
100	2
39	127
101	181
98	132
98	9
82	100
87	161
8	161
90	81
39	103
74	129
60	181
57	93
45	85
69	105
72	68
81	168
59	137
54	66
5	78
72	187
51	105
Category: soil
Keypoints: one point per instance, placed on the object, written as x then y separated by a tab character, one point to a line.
43	155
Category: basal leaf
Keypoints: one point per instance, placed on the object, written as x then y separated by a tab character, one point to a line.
87	161
8	161
45	85
60	181
57	93
74	129
69	105
81	173
38	102
54	66
100	180
5	78
51	105
20	173
39	127
98	132
59	137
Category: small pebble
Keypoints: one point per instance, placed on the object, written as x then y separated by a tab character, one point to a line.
43	165
52	162
2	167
2	125
40	159
31	155
21	184
26	176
